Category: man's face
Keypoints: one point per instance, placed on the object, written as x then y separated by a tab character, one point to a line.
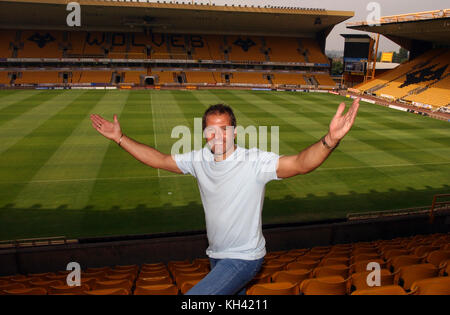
219	133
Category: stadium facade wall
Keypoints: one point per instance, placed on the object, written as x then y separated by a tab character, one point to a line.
180	246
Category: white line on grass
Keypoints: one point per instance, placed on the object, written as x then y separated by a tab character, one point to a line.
164	176
154	130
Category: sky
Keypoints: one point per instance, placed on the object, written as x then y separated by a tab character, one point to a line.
334	40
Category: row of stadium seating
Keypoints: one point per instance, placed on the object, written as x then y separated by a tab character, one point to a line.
162	77
59	44
425	79
413	265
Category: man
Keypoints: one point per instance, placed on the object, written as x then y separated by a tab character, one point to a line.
232	183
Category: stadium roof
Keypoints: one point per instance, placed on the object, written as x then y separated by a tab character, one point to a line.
430	26
172	17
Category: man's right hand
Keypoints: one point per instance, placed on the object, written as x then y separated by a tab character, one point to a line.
110	130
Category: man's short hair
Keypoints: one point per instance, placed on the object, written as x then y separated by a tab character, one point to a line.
219	109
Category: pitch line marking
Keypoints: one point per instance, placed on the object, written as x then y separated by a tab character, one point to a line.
154	130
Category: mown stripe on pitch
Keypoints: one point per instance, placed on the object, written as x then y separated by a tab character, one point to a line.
17	96
79	156
169	114
386	138
14	130
23	159
135	122
370	138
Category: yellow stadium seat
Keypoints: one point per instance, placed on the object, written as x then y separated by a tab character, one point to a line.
113	291
358	281
334	261
277	288
334	285
113	284
404	260
12	286
305	264
438	256
361	266
408	274
26	291
183	277
432	286
154	280
385	290
187	285
260	278
160	289
335	270
63	289
294	275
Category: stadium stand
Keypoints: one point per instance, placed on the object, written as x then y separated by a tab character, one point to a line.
112	45
423	80
332	270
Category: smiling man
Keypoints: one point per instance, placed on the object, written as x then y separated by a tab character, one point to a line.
232	180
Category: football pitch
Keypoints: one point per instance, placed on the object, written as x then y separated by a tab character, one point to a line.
60	177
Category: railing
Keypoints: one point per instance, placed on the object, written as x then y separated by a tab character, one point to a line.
31	242
438	205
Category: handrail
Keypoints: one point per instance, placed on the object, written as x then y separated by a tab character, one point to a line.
435	203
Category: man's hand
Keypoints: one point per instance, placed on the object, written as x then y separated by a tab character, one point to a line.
110	130
313	156
341	124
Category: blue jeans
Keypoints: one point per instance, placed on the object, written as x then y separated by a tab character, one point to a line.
227	277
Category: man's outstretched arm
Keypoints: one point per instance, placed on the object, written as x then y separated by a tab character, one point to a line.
313	156
141	152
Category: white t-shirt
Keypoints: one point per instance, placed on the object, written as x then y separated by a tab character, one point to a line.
232	192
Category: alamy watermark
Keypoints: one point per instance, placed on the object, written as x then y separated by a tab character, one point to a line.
74	17
374	17
219	137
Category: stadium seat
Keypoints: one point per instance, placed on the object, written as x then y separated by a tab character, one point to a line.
46	284
358	281
437	257
113	284
294	275
272	268
385	290
361	266
187	285
260	278
334	261
160	289
408	274
431	286
112	291
334	285
153	266
12	286
183	277
304	264
63	289
404	260
278	288
156	273
123	276
26	291
98	269
154	280
334	270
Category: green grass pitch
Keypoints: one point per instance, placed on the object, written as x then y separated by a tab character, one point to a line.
60	177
